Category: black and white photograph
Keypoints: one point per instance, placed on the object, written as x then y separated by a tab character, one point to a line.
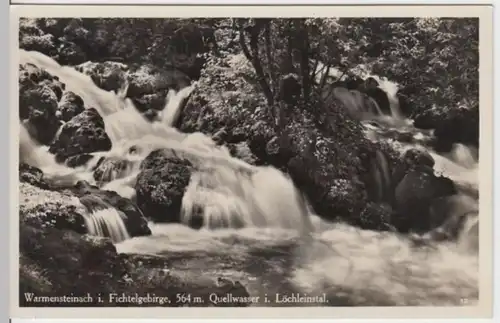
249	162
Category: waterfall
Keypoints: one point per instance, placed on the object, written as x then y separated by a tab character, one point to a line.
230	198
107	223
243	211
103	101
224	192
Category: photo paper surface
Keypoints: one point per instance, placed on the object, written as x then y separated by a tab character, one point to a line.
265	161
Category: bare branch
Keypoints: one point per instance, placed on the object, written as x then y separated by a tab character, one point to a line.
255	60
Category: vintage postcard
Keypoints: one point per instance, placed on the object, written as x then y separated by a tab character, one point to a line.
251	161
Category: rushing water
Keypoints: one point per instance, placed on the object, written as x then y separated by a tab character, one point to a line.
266	235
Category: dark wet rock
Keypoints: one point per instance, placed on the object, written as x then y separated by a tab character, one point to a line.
37	99
83	134
78	160
109	76
39	93
454	125
161	185
414	195
50	209
56	86
109	169
343	199
31	175
33	73
376	216
411	159
154	101
418	157
37	108
55	263
406	137
71	105
96	199
449	215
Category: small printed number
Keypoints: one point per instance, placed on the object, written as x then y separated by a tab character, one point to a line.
183	298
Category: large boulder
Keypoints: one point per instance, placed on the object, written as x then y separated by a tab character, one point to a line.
109	76
32	175
108	169
414	195
154	101
96	199
83	134
38	102
452	125
70	106
161	185
411	158
56	263
226	104
42	208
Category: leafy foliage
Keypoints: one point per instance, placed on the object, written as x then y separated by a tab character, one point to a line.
434	60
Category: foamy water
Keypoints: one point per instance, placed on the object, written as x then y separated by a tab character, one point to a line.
257	227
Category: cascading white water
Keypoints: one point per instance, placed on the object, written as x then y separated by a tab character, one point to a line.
32	153
243	190
226	197
107	223
227	192
103	101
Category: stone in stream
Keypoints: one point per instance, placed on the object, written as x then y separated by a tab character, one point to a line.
109	76
58	262
452	125
78	160
83	134
43	208
96	199
161	184
411	158
71	105
414	195
38	102
32	175
111	168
